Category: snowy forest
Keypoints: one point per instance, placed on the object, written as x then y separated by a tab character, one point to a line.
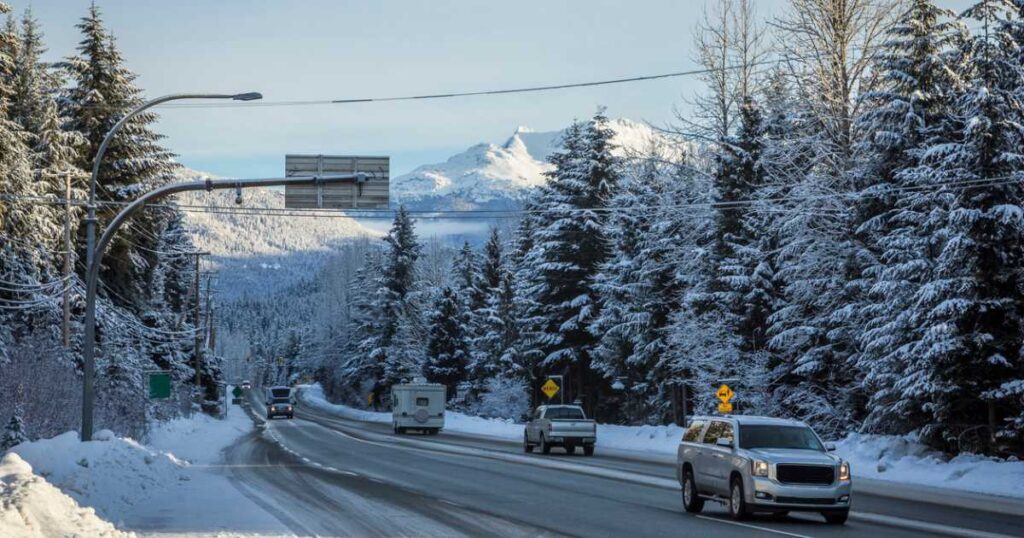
834	226
838	232
53	116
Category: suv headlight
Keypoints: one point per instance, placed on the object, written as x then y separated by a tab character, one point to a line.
759	468
844	470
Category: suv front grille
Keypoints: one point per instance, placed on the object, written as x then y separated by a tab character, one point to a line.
804	500
805	474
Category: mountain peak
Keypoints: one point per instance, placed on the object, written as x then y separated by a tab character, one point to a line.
487	176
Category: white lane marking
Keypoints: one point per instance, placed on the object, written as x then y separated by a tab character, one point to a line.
652	481
749	526
925	526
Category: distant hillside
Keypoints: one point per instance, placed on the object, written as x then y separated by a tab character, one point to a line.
259	254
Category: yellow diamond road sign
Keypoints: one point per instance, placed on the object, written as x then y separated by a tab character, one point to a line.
725	408
550	388
724	394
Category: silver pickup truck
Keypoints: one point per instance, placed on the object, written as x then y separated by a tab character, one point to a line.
560	425
761	464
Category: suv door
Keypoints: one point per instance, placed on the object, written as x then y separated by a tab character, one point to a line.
690	449
716	459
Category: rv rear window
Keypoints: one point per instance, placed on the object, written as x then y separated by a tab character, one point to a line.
422	402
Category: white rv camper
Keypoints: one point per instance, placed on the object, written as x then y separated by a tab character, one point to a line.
418	406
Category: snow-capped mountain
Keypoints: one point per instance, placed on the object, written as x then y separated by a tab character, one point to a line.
491	176
261	251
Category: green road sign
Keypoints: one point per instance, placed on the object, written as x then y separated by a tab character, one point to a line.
237	392
159	385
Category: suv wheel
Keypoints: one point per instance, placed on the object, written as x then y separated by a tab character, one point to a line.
588	450
545	448
836	518
527	447
737	502
692	502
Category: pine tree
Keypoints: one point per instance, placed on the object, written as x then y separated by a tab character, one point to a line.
14	432
569	248
910	110
392	344
447	352
20	262
492	326
970	309
104	91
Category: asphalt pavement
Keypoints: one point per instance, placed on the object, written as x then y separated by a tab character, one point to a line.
323	475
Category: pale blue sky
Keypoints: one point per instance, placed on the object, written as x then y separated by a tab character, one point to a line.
318	49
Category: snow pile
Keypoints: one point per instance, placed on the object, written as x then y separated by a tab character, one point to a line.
31	507
200	438
110	474
492	176
903	459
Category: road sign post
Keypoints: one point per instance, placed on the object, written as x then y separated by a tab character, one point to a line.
159	385
369	189
724	394
553	387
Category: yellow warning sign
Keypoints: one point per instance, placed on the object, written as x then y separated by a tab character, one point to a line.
725	407
725	394
550	388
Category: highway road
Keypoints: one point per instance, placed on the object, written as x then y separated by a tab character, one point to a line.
322	475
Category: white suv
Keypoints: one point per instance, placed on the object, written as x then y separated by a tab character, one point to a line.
761	464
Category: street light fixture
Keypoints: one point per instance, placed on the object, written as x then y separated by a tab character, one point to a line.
88	357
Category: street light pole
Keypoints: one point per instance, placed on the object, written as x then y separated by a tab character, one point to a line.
90	237
93	272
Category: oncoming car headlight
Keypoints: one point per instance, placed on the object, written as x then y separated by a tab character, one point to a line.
759	468
844	471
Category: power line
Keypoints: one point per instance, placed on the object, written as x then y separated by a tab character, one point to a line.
471	93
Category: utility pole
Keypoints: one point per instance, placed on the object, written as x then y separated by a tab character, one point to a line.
66	326
91	246
208	331
196	319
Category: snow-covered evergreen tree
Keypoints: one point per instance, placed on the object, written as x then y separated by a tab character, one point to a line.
970	310
910	110
103	92
447	351
569	247
14	431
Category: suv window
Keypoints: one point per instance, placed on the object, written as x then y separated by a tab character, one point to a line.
693	432
537	413
718	430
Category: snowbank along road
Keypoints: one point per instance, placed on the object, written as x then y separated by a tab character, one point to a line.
322	474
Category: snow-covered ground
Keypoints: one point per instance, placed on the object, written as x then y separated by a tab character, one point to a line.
165	488
32	507
897	459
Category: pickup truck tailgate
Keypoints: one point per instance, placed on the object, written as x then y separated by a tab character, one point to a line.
579	428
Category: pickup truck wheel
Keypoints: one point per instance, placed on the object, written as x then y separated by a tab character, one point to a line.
836	518
692	502
737	501
545	448
588	450
527	447
570	449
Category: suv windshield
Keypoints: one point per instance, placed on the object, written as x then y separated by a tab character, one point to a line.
798	437
568	413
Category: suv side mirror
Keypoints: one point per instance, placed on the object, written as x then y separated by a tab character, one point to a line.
722	441
830	447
